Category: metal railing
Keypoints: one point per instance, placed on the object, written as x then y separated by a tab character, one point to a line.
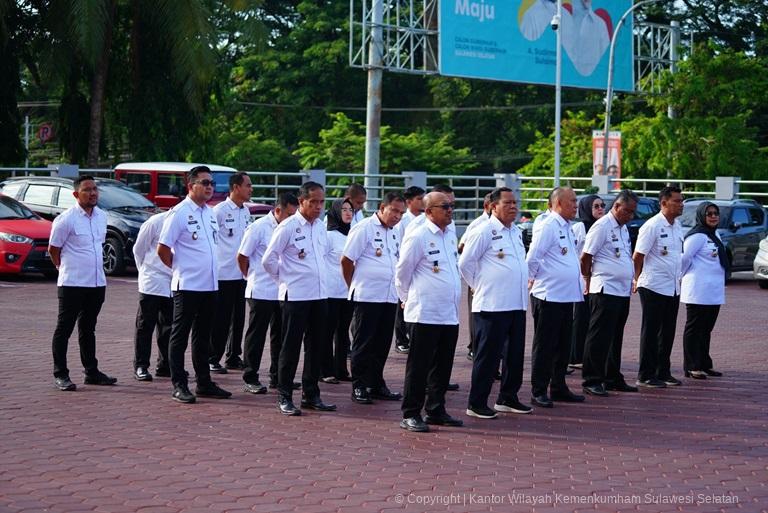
469	189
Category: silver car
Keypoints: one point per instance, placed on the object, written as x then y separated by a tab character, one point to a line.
761	264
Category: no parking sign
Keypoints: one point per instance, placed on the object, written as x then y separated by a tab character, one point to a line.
45	132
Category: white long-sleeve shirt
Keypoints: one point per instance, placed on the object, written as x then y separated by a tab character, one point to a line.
427	276
493	265
703	277
553	264
295	258
154	275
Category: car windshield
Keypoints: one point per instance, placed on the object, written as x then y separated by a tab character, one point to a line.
12	209
688	219
113	196
222	181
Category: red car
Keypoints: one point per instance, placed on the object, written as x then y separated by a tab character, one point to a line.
23	240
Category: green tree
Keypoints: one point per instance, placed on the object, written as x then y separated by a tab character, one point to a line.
341	148
11	149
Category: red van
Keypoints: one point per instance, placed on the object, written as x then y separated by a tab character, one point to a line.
165	183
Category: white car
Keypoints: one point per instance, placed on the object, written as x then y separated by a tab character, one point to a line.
761	264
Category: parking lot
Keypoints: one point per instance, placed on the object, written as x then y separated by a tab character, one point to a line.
702	447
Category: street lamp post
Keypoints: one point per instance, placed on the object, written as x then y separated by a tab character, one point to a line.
556	25
609	88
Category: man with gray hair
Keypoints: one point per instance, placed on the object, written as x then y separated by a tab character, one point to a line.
607	268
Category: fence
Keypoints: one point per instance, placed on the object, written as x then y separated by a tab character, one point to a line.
531	191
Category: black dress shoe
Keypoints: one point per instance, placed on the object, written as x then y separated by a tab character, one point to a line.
212	390
317	404
598	390
99	378
216	368
713	372
182	394
621	387
542	401
385	394
286	407
142	374
360	396
330	380
443	420
402	349
671	381
235	365
566	396
64	384
452	387
255	388
651	383
415	424
162	372
695	374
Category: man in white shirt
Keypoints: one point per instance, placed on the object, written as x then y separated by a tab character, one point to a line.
607	269
368	263
295	258
187	245
155	301
75	247
657	258
261	294
493	265
554	268
414	206
357	196
428	283
227	332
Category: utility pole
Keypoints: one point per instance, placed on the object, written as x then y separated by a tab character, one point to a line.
373	106
557	26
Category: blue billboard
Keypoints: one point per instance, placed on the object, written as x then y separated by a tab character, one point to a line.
513	40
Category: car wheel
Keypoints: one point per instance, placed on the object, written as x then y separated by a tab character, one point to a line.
114	257
763	284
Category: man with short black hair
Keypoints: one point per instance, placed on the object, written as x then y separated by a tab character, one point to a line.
658	259
357	196
75	247
188	246
368	264
607	269
262	295
233	218
295	258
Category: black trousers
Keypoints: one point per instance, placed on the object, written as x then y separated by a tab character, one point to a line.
79	305
227	331
657	334
699	322
192	311
579	333
302	320
401	329
428	368
602	350
552	326
155	314
498	335
372	325
262	314
336	342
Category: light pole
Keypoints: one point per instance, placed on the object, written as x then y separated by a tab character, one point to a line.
609	88
558	84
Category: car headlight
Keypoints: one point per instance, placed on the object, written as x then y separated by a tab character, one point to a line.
15	237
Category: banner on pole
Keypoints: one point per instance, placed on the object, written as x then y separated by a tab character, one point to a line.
614	155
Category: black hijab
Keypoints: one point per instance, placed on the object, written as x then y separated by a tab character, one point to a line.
701	227
334	217
585	211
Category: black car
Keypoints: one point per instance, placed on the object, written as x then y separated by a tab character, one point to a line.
743	224
125	208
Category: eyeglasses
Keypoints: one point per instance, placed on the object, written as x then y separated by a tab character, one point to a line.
713	214
206	183
598	205
446	206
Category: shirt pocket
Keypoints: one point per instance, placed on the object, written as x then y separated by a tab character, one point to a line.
83	232
301	245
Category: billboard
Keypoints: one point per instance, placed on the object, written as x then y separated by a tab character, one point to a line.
513	40
614	155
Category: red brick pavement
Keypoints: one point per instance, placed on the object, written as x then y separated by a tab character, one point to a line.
129	448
